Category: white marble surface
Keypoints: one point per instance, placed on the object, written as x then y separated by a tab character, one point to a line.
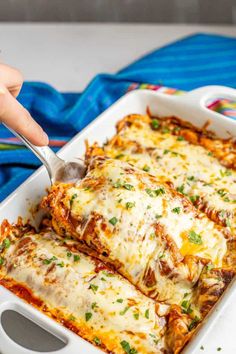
69	55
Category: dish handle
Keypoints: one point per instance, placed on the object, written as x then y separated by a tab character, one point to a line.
192	106
9	346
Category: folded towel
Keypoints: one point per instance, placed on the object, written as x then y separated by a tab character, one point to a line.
192	62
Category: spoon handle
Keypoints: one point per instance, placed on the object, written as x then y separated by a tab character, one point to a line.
50	160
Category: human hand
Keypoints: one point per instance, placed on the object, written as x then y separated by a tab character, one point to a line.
12	113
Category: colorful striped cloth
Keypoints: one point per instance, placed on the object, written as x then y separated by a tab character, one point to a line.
192	62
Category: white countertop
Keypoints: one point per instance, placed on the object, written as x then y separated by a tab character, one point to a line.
68	56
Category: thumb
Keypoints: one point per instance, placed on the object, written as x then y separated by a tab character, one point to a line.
13	114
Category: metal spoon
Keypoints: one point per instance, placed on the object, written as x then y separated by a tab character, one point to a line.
59	170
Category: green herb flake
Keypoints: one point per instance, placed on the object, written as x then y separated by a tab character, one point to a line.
155	192
76	258
6	243
72	199
201	347
136	316
195	238
1	261
69	254
191	178
117	184
194	198
129	187
97	341
61	264
119	156
94	306
219	349
119	300
130	205
186	307
124	311
88	316
147	313
222	192
93	287
146	168
165	130
72	318
155	124
158	216
127	349
227	222
176	210
113	221
193	323
180	138
180	189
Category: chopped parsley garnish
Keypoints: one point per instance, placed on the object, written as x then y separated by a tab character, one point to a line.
124	311
69	254
194	238
191	178
127	349
225	173
158	216
108	274
88	316
193	323
97	340
119	300
129	187
181	189
87	188
176	210
73	198
161	255
155	192
209	267
186	307
94	306
146	168
201	347
61	264
6	243
180	138
136	316
117	184
165	130
194	198
93	287
113	221
222	192
155	339
1	261
129	205
147	313
49	260
219	349
72	318
155	124
76	258
119	156
166	151
227	222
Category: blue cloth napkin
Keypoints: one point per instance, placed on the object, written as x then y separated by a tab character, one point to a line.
194	61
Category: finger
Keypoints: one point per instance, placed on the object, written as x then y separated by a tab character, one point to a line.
18	118
11	78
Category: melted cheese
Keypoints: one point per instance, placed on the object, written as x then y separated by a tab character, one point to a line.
146	229
189	167
106	307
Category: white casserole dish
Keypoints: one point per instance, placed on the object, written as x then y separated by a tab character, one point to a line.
191	107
